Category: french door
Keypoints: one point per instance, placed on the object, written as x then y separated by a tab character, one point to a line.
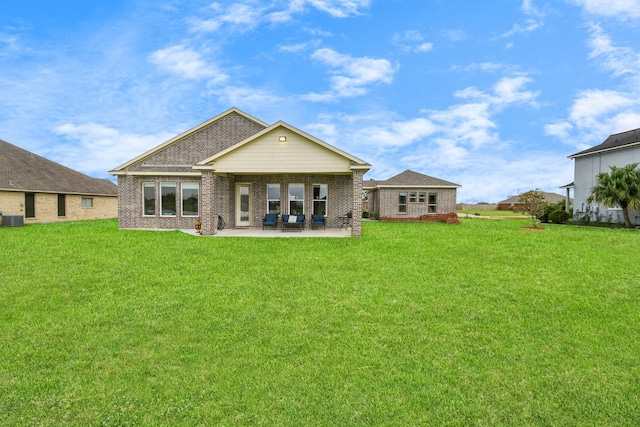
243	205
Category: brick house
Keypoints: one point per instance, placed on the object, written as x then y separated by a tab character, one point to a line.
411	196
37	190
239	168
513	202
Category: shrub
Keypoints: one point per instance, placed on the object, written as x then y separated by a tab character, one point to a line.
559	216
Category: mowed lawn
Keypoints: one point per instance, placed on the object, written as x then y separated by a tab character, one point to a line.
482	323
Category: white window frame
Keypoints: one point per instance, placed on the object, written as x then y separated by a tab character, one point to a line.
400	205
173	185
293	199
189	186
432	207
87	203
155	198
279	199
325	200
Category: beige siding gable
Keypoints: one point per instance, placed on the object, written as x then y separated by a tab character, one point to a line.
268	154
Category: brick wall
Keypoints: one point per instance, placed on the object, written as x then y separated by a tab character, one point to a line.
46	207
449	218
209	140
387	201
130	206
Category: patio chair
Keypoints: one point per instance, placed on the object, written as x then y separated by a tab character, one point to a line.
317	220
270	220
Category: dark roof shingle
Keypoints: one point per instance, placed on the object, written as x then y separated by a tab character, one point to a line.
21	170
617	140
411	178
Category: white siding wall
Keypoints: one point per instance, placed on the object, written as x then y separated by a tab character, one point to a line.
295	155
586	169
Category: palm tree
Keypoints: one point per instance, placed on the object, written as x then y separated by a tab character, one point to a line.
620	187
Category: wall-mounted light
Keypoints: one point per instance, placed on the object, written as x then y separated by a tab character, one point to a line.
283	139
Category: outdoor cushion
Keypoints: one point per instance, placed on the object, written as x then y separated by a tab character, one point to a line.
293	218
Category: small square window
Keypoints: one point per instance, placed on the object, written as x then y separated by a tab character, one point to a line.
87	202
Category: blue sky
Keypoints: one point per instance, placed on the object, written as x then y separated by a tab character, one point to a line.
493	95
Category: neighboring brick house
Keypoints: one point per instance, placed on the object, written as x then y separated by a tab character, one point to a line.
411	196
39	190
620	149
513	202
239	168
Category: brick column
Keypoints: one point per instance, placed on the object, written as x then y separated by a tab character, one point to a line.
356	217
209	223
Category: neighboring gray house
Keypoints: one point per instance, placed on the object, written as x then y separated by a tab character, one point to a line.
513	202
619	150
36	190
239	168
410	195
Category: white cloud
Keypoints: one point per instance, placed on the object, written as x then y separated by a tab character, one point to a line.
111	146
412	41
507	90
244	16
598	113
352	75
622	9
187	63
340	8
621	61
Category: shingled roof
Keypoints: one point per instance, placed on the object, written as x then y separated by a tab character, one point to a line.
410	178
613	142
21	170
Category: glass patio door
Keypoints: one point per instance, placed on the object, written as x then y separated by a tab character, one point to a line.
243	205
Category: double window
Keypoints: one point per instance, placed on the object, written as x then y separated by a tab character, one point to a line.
87	202
273	198
320	195
432	206
402	202
296	199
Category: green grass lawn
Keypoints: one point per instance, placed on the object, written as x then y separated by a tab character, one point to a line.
494	213
482	323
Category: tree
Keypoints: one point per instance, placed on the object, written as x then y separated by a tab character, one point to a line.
620	187
532	203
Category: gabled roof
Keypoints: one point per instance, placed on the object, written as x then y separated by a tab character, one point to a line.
410	178
356	163
184	135
21	170
613	142
549	197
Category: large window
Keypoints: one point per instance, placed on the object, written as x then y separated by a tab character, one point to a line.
296	199
190	193
148	199
433	206
320	194
62	205
168	198
30	205
402	202
273	198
